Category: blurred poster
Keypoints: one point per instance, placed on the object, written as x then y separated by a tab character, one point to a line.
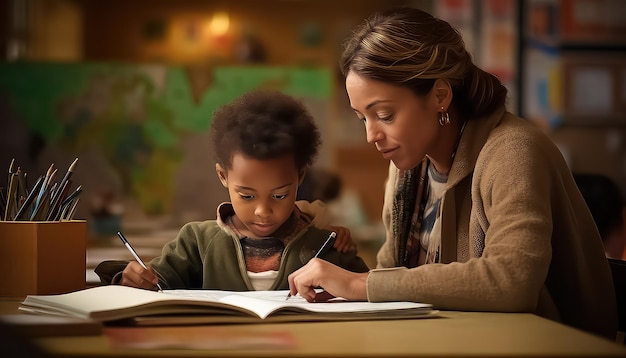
460	14
490	31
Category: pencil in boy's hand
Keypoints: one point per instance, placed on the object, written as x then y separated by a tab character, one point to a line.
325	246
134	253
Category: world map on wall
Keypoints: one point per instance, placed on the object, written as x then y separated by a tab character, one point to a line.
138	115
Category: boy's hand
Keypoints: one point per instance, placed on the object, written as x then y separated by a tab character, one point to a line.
136	276
343	242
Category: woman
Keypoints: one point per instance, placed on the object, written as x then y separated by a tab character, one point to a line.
480	209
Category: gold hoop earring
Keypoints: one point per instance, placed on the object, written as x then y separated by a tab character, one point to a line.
444	118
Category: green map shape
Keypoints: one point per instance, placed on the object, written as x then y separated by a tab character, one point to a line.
139	114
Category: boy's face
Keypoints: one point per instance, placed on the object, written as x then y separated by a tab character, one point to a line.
263	192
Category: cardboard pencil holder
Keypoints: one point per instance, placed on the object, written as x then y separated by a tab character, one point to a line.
41	258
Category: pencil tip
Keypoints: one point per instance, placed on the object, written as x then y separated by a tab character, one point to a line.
11	165
73	165
50	169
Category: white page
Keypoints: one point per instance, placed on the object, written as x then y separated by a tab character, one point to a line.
112	302
266	302
94	301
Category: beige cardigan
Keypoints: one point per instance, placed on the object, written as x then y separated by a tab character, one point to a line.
516	235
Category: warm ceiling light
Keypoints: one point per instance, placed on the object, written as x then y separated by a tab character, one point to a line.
219	24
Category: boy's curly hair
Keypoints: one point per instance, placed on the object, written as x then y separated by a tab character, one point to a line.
264	124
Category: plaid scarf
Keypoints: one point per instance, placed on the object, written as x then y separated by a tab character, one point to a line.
409	191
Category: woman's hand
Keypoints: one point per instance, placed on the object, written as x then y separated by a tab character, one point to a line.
343	242
333	279
134	275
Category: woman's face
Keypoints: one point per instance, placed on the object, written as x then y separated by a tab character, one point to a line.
404	127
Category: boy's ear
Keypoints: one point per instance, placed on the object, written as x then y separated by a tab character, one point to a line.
301	175
221	174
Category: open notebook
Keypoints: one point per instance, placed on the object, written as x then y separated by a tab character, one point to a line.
142	307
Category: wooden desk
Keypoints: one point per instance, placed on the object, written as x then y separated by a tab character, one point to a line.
453	334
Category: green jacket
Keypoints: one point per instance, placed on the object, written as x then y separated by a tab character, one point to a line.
208	255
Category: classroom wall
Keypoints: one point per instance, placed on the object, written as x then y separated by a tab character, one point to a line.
162	34
292	34
140	132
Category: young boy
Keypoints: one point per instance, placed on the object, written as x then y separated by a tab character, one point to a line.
264	141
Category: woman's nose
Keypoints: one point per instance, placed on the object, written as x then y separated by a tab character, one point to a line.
372	132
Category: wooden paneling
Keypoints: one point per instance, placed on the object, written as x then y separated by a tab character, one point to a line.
363	169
